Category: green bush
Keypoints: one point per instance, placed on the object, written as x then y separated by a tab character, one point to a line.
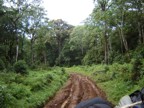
125	72
3	97
137	69
21	67
38	85
6	99
19	91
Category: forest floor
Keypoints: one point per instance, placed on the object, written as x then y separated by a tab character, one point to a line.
78	88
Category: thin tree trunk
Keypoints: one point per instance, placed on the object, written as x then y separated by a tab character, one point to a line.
120	40
110	49
140	32
143	33
45	58
124	40
106	46
103	6
122	33
22	49
32	55
17	48
17	44
110	44
106	52
140	19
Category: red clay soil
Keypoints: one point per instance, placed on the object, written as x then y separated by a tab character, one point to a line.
78	88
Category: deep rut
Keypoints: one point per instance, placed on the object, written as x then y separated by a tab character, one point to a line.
78	88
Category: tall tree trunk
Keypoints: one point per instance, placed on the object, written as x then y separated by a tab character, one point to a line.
124	40
121	40
139	7
106	44
17	50
103	5
106	47
110	43
10	54
17	44
143	33
110	49
122	32
32	52
140	32
22	49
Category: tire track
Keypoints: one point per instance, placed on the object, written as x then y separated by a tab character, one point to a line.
78	88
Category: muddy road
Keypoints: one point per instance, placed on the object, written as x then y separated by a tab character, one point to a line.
78	88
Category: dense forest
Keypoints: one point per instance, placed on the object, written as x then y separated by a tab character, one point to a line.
37	54
113	32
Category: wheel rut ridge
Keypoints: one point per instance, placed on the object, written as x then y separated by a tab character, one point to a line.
77	89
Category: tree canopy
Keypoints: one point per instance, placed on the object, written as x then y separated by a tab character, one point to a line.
113	32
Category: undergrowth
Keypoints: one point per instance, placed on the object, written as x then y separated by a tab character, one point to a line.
30	91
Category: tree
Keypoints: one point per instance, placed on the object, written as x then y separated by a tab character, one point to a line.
137	6
78	38
17	8
34	20
40	45
121	24
104	6
60	31
114	22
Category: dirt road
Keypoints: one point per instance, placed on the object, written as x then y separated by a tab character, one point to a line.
78	88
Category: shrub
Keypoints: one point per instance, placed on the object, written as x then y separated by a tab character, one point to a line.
6	98
3	97
137	69
125	72
19	91
20	67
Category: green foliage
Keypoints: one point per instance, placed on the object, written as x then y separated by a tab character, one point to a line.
21	67
138	52
3	97
109	35
6	99
30	91
137	71
122	71
19	91
93	56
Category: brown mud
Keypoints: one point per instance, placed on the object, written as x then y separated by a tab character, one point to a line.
77	89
